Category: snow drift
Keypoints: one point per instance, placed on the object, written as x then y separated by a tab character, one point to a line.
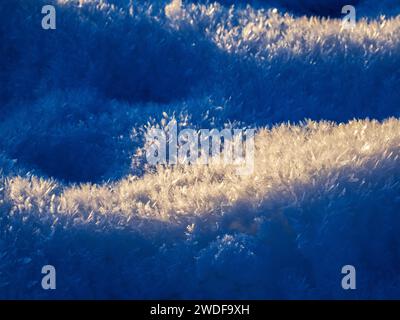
74	192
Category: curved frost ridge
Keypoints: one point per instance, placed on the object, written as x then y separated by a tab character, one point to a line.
270	32
318	194
288	159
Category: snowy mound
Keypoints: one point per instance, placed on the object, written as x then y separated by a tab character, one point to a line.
75	102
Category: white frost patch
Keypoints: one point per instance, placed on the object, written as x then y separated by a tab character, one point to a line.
173	9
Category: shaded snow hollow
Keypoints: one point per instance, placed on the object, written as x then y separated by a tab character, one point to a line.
325	192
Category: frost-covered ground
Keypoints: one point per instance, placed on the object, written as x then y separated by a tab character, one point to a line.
75	193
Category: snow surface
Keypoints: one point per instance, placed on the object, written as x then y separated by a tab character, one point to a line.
75	193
